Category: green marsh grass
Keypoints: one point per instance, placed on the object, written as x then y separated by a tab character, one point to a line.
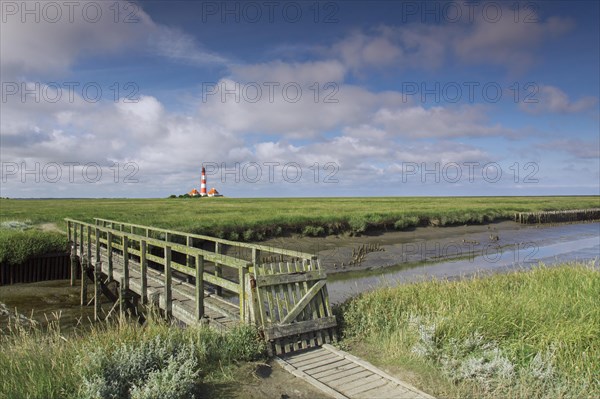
522	334
256	218
121	359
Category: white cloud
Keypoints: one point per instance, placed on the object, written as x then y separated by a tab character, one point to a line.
420	122
551	99
49	48
281	72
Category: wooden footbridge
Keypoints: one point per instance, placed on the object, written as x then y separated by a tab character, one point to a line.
195	278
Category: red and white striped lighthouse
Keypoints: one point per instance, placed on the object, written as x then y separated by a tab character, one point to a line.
203	184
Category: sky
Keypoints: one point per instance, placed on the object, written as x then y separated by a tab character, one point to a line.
299	98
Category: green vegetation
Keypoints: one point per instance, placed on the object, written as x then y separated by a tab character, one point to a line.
122	360
257	218
17	246
522	334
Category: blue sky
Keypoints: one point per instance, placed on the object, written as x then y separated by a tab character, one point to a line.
354	98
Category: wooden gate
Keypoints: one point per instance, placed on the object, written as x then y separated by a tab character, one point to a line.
293	305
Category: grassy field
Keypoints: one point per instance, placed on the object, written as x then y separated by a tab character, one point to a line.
522	334
254	219
122	360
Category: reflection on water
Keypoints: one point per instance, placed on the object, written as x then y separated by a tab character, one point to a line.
551	245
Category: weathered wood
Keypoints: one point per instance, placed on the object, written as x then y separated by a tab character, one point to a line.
109	251
300	305
242	293
221	282
278	331
167	282
121	301
288	278
200	287
125	262
263	248
97	304
84	281
143	272
218	269
73	264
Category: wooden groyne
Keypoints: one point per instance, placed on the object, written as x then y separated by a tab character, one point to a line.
576	215
39	268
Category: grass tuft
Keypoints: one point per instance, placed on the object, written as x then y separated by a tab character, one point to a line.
522	334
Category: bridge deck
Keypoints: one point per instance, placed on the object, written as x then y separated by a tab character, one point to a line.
344	376
219	312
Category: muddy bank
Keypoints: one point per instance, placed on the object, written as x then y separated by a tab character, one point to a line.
339	254
46	302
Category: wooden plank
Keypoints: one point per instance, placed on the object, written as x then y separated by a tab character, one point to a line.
305	355
361	377
304	362
97	291
288	278
143	272
300	374
369	366
276	303
387	391
221	282
125	262
334	372
369	384
319	363
293	297
167	282
302	303
109	251
199	287
278	331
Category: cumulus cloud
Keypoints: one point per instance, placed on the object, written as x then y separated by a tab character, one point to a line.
420	122
476	40
47	47
551	99
577	148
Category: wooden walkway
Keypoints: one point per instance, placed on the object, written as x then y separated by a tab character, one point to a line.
342	375
194	278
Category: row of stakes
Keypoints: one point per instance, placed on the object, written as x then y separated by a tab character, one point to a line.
359	253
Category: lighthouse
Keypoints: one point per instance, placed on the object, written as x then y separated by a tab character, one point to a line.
203	184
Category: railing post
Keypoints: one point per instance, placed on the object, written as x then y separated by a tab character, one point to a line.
218	269
122	290
89	243
242	292
97	237
251	298
69	230
84	283
168	296
97	291
126	261
109	254
199	287
81	240
256	256
144	272
73	263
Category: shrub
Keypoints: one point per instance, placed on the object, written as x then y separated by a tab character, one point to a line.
313	231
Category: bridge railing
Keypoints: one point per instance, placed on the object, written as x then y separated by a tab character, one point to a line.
107	242
256	253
